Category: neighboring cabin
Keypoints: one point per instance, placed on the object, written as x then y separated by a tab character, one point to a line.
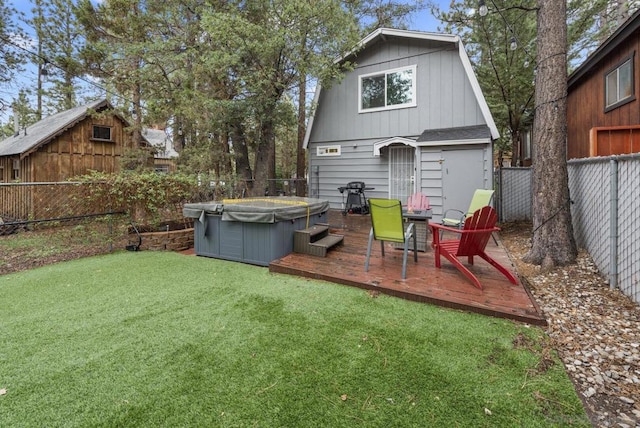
164	158
67	144
409	117
603	108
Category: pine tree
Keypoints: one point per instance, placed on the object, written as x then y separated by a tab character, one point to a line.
57	59
12	58
553	243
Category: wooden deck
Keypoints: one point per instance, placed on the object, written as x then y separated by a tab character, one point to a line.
425	283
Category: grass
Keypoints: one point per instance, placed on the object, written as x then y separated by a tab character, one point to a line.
162	339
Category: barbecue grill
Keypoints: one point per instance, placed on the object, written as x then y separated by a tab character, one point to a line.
356	201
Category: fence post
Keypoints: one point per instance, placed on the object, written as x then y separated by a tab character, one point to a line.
613	224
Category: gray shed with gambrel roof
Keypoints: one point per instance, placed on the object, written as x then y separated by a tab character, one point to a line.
409	117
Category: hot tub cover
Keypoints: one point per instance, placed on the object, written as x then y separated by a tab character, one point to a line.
258	210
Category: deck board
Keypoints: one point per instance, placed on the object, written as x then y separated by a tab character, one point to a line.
425	283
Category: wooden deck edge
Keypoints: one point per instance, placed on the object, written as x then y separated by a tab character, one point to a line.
526	285
520	317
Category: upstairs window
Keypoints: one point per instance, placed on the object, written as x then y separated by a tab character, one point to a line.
102	133
387	90
619	88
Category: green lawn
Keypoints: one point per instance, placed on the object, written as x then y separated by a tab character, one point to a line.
163	339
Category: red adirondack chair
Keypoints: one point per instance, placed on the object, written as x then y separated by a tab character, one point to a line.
473	241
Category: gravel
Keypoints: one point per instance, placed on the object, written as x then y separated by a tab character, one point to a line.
595	330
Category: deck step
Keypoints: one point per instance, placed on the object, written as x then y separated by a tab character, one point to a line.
315	240
321	246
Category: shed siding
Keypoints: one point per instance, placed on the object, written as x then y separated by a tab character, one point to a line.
432	180
444	96
355	164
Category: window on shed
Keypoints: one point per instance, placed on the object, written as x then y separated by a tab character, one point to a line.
619	85
388	89
16	169
162	169
101	133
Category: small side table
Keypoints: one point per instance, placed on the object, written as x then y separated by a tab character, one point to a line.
420	219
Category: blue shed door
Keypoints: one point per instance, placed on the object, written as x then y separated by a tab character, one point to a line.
462	174
401	172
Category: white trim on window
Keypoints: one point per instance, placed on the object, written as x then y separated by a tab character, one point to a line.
334	150
383	98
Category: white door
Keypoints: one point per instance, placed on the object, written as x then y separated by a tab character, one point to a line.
402	172
462	174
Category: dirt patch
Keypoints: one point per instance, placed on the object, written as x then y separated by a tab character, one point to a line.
30	248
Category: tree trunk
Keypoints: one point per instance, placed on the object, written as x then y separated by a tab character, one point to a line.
225	157
243	166
137	117
553	243
516	155
265	163
300	158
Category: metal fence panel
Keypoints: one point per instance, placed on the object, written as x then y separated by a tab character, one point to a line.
514	194
590	192
606	202
629	228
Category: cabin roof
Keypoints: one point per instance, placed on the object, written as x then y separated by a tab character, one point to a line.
623	32
159	139
42	132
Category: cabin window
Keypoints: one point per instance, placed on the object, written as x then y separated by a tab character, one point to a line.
162	169
16	170
619	88
386	90
101	133
329	150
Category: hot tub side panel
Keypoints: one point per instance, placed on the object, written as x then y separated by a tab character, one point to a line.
254	243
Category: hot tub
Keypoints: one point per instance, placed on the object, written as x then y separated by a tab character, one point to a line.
252	230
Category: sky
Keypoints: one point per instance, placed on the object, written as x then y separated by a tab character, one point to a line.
422	21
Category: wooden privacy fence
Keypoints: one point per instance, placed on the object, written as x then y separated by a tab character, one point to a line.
27	202
50	201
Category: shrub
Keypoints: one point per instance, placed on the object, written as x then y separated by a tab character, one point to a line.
148	197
